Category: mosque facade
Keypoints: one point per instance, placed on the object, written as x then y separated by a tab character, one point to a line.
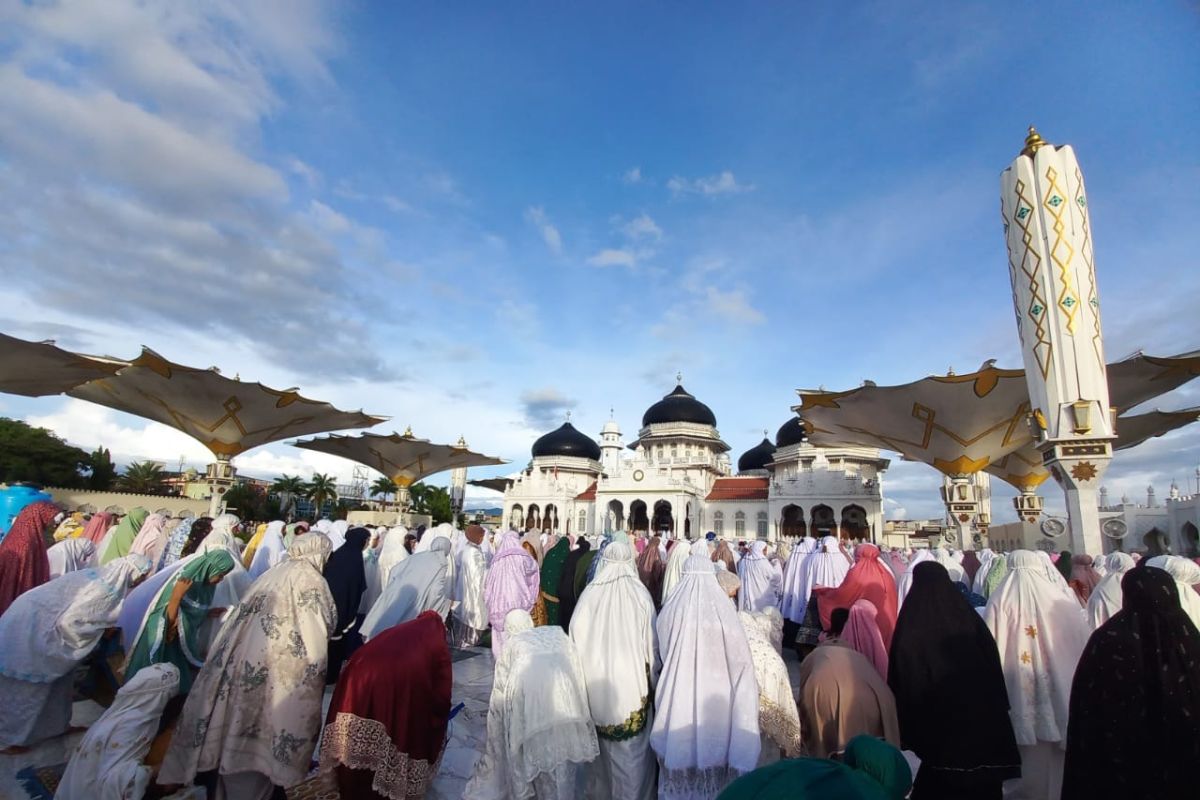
677	478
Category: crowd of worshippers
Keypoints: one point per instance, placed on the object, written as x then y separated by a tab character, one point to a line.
625	666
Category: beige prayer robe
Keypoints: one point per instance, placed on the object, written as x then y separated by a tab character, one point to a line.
841	696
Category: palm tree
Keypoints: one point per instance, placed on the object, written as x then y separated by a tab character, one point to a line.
143	477
288	484
321	489
383	487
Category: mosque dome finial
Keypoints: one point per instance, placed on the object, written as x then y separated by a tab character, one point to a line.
1033	142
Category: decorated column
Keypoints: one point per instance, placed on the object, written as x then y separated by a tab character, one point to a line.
458	484
1047	230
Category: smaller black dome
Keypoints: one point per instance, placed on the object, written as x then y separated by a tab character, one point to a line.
791	432
679	406
757	457
566	441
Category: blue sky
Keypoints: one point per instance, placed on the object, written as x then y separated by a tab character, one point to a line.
474	218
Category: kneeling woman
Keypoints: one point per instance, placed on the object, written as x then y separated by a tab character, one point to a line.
46	633
170	634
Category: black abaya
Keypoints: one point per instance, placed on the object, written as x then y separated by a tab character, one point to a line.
347	579
566	584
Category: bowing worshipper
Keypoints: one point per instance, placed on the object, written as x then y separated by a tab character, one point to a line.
1050	567
46	633
418	583
778	716
70	527
97	526
511	584
290	532
904	584
188	531
117	543
1084	578
539	727
347	579
1106	598
255	541
970	564
270	550
151	539
944	670
677	553
1098	564
23	560
387	721
723	553
171	630
862	633
1186	575
705	731
533	545
1135	701
729	582
252	719
866	580
761	581
943	556
997	571
985	563
1040	633
826	567
70	555
469	612
553	565
108	765
651	569
566	591
336	532
870	769
613	631
842	695
791	605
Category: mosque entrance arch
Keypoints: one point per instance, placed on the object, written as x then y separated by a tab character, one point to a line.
639	520
614	520
1157	543
550	518
1191	540
824	523
687	520
663	521
792	524
533	517
854	523
516	517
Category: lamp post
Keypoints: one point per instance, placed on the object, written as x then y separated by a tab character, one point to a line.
1048	233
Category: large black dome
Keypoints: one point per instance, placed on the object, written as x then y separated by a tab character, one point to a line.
757	457
791	432
679	406
566	441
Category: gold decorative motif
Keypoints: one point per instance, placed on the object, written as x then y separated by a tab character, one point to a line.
1026	658
1083	471
1061	252
985	380
822	399
1031	631
960	466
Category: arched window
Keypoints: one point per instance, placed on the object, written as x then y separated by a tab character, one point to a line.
739	524
762	525
719	523
582	522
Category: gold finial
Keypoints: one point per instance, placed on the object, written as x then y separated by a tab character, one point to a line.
1033	142
408	434
679	378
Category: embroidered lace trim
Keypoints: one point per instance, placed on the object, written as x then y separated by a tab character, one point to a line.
360	743
692	782
782	728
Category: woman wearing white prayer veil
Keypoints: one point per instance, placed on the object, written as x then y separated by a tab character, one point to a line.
905	581
1040	633
1106	598
392	553
108	764
762	581
270	550
46	633
418	583
952	565
705	730
613	630
337	533
1052	573
985	563
778	714
678	554
539	729
70	555
1186	574
792	606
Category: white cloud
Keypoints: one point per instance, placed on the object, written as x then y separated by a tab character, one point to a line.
732	305
536	216
396	205
632	176
329	220
711	185
642	227
307	173
614	258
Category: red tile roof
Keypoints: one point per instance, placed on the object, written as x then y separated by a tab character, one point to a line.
738	489
588	493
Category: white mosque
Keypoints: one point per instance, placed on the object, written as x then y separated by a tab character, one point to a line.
679	481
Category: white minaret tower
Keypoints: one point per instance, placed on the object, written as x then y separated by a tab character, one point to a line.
1048	232
611	447
458	484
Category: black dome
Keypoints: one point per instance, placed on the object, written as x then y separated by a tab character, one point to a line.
791	432
757	457
679	406
566	441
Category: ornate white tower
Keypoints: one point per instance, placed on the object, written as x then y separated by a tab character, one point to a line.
611	447
458	483
1048	233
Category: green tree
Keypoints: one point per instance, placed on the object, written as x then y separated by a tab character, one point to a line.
143	477
38	456
103	470
249	502
383	487
321	489
289	484
431	500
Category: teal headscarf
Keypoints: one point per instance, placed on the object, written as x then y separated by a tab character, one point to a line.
123	536
152	646
873	770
